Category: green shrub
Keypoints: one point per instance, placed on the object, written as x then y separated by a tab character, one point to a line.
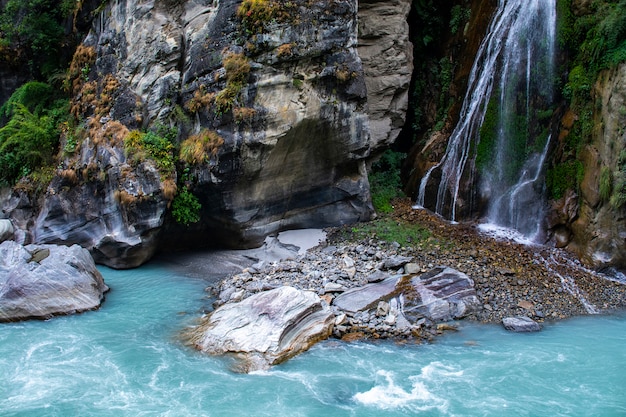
459	15
385	182
150	145
186	208
35	31
34	95
30	138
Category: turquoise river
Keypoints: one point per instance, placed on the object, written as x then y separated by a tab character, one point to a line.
126	360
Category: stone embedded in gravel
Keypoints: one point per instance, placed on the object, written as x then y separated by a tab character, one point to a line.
396	262
377	276
411	268
264	329
366	297
333	287
520	324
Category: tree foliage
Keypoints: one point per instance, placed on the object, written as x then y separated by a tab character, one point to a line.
34	31
30	138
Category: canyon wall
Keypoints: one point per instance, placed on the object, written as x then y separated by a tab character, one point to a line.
278	105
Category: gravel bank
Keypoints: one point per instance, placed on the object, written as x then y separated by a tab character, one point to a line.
511	279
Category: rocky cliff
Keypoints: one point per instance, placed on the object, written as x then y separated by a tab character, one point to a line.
266	110
592	222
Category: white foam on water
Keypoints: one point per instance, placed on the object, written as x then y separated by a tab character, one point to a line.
504	233
388	395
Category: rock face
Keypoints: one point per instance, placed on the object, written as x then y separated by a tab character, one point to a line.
40	281
439	295
520	324
287	103
599	226
266	328
387	56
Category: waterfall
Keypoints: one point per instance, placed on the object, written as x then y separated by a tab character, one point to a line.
501	139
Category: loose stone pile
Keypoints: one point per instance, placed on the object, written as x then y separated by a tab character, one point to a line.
510	280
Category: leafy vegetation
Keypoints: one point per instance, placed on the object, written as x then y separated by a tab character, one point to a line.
459	16
595	41
140	146
385	183
30	138
186	207
564	176
33	31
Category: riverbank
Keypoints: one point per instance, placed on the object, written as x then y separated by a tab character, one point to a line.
510	279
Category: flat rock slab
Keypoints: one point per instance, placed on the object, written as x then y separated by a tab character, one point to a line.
368	296
520	324
264	329
41	281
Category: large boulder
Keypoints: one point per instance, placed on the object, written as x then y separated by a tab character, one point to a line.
439	295
40	281
264	329
6	230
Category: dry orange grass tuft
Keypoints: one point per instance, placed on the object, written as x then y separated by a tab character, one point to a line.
198	148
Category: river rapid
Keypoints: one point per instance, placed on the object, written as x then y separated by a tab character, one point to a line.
126	360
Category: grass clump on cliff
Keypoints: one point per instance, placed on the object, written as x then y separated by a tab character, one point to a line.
198	149
255	14
139	146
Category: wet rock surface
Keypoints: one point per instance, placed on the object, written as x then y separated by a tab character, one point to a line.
40	281
503	279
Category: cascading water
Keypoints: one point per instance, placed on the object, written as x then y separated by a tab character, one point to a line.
502	136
